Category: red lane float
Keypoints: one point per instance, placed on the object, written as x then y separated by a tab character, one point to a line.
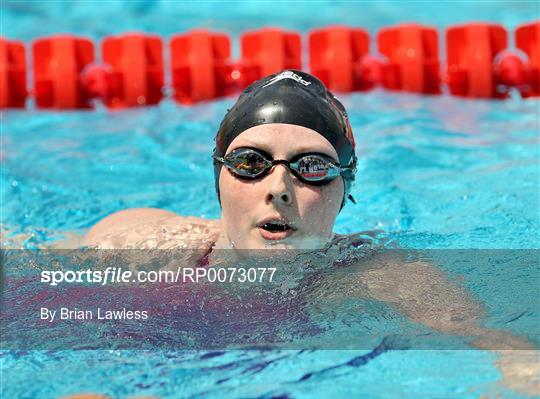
471	50
510	71
136	73
336	55
201	66
12	74
528	40
131	72
58	63
413	58
267	51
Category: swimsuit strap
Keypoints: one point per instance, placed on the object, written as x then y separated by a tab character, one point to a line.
204	262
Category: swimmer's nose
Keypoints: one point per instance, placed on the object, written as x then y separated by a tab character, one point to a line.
279	186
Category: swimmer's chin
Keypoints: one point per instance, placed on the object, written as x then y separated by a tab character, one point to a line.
299	242
308	243
294	244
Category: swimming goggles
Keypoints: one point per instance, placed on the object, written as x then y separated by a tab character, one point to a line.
311	168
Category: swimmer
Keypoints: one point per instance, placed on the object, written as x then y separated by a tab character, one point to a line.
284	164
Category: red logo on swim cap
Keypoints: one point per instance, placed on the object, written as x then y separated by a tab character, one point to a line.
333	100
349	133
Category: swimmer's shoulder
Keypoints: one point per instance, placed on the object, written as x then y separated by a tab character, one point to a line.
145	228
364	239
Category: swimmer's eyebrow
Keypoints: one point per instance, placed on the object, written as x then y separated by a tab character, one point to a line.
301	150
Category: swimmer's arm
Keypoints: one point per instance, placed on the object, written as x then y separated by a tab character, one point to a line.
427	296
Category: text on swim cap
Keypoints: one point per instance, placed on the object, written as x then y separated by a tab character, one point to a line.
288	75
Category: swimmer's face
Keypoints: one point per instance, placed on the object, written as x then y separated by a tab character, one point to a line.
308	211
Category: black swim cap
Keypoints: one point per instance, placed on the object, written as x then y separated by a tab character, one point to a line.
295	98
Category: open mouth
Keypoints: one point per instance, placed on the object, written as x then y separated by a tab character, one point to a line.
275	229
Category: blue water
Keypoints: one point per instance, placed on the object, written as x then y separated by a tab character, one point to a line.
439	172
434	172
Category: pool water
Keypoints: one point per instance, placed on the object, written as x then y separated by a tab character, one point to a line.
434	172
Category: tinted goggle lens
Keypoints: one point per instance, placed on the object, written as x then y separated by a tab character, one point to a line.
315	168
246	163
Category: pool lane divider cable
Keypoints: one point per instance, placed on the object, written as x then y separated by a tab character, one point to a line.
390	342
131	71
